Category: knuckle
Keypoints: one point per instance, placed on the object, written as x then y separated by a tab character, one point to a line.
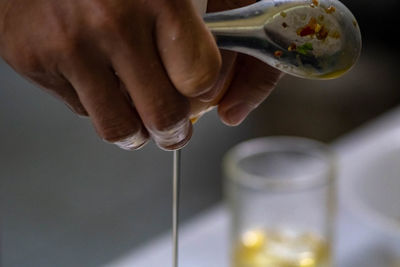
193	60
199	79
107	23
104	19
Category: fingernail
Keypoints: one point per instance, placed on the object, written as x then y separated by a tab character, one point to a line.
132	142
175	137
236	114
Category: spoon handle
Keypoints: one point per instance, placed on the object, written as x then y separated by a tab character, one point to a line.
229	27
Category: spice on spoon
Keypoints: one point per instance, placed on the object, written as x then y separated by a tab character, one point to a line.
305	48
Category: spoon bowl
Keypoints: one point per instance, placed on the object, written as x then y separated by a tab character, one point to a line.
313	39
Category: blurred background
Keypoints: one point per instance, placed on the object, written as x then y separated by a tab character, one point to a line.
69	199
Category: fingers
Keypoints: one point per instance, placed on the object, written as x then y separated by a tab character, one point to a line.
163	110
111	112
61	89
187	49
253	82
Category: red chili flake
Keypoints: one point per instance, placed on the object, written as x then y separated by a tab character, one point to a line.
306	31
315	2
284	25
330	9
292	47
309	29
278	53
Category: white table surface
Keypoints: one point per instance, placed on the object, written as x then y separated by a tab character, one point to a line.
204	239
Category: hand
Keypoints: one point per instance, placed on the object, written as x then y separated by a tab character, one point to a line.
138	69
132	66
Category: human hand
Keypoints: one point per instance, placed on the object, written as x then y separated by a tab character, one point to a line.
138	69
132	66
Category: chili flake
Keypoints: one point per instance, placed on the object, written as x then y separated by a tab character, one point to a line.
315	2
284	25
309	29
278	53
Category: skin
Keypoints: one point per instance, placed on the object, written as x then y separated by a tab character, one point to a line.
138	69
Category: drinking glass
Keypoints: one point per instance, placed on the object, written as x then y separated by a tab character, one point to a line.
281	196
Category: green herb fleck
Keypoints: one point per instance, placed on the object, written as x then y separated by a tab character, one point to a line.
305	48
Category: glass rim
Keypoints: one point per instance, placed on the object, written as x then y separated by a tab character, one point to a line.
238	175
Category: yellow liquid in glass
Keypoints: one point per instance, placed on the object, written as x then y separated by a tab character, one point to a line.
259	248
